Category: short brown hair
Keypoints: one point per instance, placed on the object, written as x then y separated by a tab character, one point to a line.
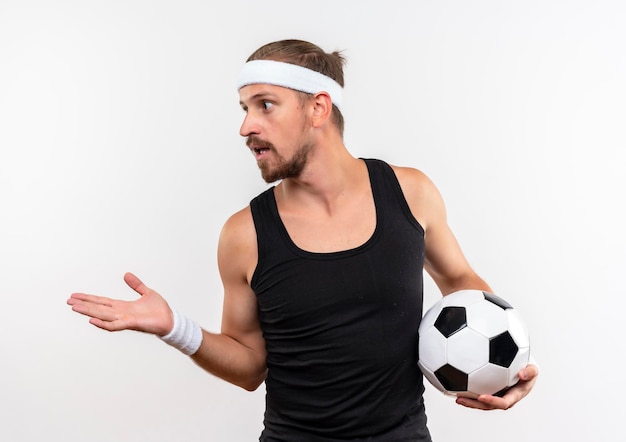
308	55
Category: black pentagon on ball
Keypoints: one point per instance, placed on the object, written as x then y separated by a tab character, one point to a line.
451	320
497	301
452	378
502	349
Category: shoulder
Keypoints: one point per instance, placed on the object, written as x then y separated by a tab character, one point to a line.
238	230
237	248
415	183
412	181
421	194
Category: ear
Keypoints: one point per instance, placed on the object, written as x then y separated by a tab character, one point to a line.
322	108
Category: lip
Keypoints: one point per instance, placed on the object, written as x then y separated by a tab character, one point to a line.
259	147
259	152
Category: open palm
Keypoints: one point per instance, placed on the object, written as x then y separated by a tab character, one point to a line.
150	313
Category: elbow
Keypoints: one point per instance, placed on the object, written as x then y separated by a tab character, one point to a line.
253	383
251	387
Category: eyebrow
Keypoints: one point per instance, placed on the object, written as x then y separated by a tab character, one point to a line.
259	96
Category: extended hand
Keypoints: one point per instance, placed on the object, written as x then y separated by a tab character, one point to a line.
527	376
150	313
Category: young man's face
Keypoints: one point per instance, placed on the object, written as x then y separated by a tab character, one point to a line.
276	129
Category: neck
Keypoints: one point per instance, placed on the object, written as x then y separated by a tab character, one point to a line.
330	175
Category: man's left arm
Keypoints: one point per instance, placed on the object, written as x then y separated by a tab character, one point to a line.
447	265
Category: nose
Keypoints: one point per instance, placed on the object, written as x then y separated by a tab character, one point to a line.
248	126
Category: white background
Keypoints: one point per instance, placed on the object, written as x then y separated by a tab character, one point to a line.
119	151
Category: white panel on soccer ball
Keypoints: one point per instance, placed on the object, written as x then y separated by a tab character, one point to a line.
432	349
431	377
520	361
463	298
487	318
517	328
468	350
430	316
489	379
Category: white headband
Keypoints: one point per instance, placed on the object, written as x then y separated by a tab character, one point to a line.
290	76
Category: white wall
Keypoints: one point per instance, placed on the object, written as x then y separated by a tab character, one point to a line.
119	150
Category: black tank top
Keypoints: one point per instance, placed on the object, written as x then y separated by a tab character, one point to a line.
341	328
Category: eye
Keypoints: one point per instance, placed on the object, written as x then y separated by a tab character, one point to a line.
267	105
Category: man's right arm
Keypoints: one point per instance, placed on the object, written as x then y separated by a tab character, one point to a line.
237	354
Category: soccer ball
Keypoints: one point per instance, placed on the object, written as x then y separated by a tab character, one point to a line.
472	343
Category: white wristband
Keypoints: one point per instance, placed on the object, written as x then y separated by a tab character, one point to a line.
185	336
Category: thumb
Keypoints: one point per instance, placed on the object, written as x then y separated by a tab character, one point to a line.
136	284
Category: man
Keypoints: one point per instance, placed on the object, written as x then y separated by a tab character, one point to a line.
322	273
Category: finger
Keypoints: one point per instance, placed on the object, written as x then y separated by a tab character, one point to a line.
473	403
108	325
495	402
97	311
136	284
529	372
488	402
92	299
466	402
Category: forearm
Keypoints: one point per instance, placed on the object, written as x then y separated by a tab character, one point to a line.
468	280
238	361
231	360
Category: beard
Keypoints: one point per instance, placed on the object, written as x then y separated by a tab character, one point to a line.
282	167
